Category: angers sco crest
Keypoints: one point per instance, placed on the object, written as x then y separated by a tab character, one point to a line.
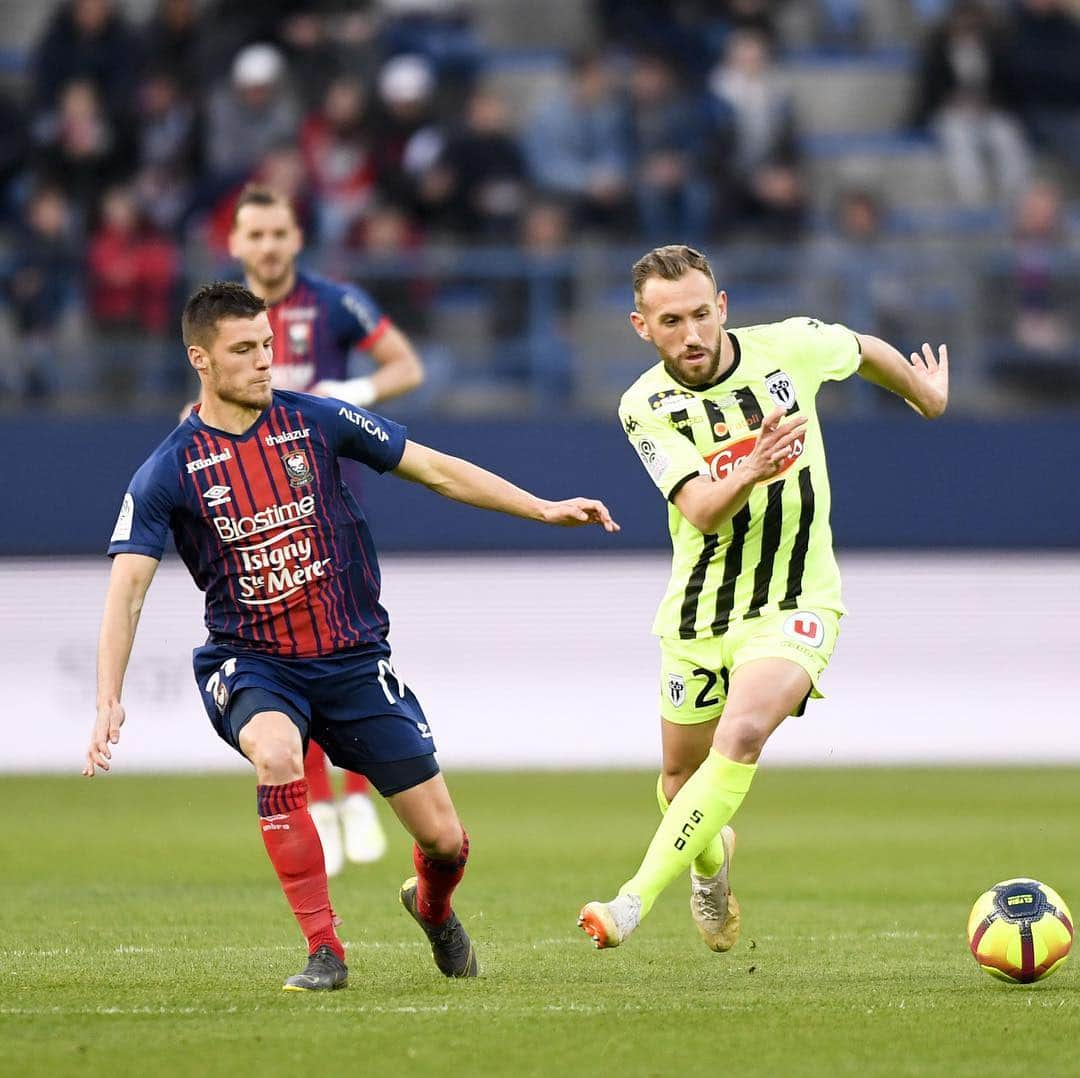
297	467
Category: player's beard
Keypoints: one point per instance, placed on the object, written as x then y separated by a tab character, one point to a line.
700	376
269	285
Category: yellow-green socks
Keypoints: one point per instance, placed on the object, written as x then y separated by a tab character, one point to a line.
708	800
711	859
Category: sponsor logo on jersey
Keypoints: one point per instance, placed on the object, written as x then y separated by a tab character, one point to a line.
806	627
656	463
198	465
217	495
724	461
122	531
291	314
365	423
676	689
780	389
297	467
234	529
287	436
671	400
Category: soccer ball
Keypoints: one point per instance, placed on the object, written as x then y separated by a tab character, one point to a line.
1020	931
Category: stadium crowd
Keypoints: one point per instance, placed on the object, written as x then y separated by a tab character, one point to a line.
125	144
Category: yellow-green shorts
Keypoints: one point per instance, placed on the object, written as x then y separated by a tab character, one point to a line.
694	674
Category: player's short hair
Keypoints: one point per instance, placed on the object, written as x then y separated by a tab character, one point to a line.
212	303
670	263
257	194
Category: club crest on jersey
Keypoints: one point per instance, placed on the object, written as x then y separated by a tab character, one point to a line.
676	689
299	334
297	467
781	389
806	628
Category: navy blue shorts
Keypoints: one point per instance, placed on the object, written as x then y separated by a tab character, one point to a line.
353	704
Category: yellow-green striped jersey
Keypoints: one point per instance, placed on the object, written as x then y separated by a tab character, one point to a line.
776	552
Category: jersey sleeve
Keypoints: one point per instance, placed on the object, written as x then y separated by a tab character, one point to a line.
669	458
824	351
142	527
361	435
358	320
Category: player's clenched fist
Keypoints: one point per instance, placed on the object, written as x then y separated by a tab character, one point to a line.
578	511
110	718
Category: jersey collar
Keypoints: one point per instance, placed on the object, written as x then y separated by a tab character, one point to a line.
196	421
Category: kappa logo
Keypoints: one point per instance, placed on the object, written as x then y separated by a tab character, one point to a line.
287	436
630	424
194	466
297	468
217	495
676	689
806	627
781	389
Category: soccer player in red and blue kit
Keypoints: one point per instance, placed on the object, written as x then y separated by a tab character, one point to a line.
317	323
250	487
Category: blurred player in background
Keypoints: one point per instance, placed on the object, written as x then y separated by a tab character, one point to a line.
726	427
250	486
317	323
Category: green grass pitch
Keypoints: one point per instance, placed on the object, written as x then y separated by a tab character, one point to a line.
142	932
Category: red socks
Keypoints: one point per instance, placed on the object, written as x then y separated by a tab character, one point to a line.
318	777
316	774
436	881
355	784
297	856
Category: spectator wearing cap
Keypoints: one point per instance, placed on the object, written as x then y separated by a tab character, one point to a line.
577	144
966	96
407	138
251	114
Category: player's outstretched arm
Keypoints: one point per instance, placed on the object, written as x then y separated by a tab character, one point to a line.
923	383
462	481
128	583
399	369
709	503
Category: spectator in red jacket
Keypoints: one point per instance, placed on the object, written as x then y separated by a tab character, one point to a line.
132	274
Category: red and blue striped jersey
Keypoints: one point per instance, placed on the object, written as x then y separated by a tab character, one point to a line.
265	525
316	326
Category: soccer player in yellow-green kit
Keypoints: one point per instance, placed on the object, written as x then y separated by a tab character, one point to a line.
726	427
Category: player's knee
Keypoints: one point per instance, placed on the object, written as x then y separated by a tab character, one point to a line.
741	738
277	759
441	837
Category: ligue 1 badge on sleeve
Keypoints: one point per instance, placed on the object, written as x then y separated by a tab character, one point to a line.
297	467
